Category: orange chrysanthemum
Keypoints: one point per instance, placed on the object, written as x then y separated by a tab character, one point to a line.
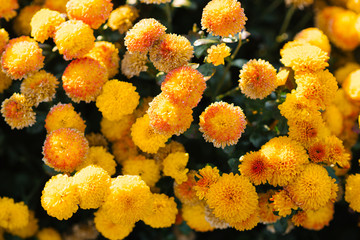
282	203
318	152
65	149
83	79
143	35
206	177
185	191
337	153
92	12
223	17
8	9
314	220
222	124
256	167
21	57
122	18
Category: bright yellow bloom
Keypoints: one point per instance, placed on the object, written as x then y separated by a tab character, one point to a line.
233	198
282	203
223	18
313	188
222	124
194	215
256	166
8	9
266	209
65	149
116	130
333	119
143	35
207	176
287	158
21	24
93	186
92	12
124	149
122	18
351	86
29	230
83	79
337	152
13	215
60	197
171	52
64	116
352	192
343	72
315	37
48	233
346	107
4	39
21	57
98	156
133	63
145	137
184	86
217	54
56	5
74	39
5	81
44	23
185	191
163	212
39	87
299	3
257	79
117	99
175	166
17	111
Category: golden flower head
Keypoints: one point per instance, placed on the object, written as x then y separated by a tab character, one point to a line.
48	233
282	203
352	191
217	54
56	5
122	18
343	72
143	35
98	156
22	21
337	152
318	151
92	12
185	191
133	63
194	215
222	124
116	130
207	176
256	167
83	79
171	52
8	9
333	119
4	39
248	223
175	166
29	230
171	147
214	221
351	86
22	56
257	79
315	37
13	215
223	17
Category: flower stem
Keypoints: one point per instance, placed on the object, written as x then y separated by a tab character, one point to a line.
228	93
287	20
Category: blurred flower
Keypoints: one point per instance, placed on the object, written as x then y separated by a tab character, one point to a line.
99	157
122	18
315	37
343	71
8	9
194	215
29	230
5	81
124	149
56	5
4	39
97	140
22	21
133	64
116	130
48	233
13	215
352	191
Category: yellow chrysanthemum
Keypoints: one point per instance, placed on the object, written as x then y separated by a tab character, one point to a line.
8	9
22	56
44	23
83	79
65	149
175	166
282	203
333	119
184	86
143	35
222	124
257	79
22	21
122	18
287	158
48	233
346	106
147	169
318	151
217	54
352	191
5	81
17	111
129	200
207	176
223	18
39	87
29	230
64	116
343	72
248	223
124	149
13	215
133	63
60	197
92	12
256	166
109	229
117	99
108	55
56	5
337	152
4	39
299	3
233	198
74	39
163	152
283	76
116	130
314	220
163	212
185	191
315	37
93	186
313	188
98	156
171	52
194	215
266	209
305	58
351	86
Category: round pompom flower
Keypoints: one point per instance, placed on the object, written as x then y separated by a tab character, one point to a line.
194	215
93	185
184	86
207	176
64	116
117	130
352	192
232	198
167	117
44	23
217	54
315	37
8	9
29	229
143	35
99	157
133	64
74	39
92	12
175	166
21	24
313	188
122	18
223	17
48	233
83	79
60	197
39	87
171	52
21	57
256	167
65	149
4	39
13	215
222	124
163	212
117	99
257	79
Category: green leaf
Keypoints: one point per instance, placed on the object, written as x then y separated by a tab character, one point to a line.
200	50
281	225
207	69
